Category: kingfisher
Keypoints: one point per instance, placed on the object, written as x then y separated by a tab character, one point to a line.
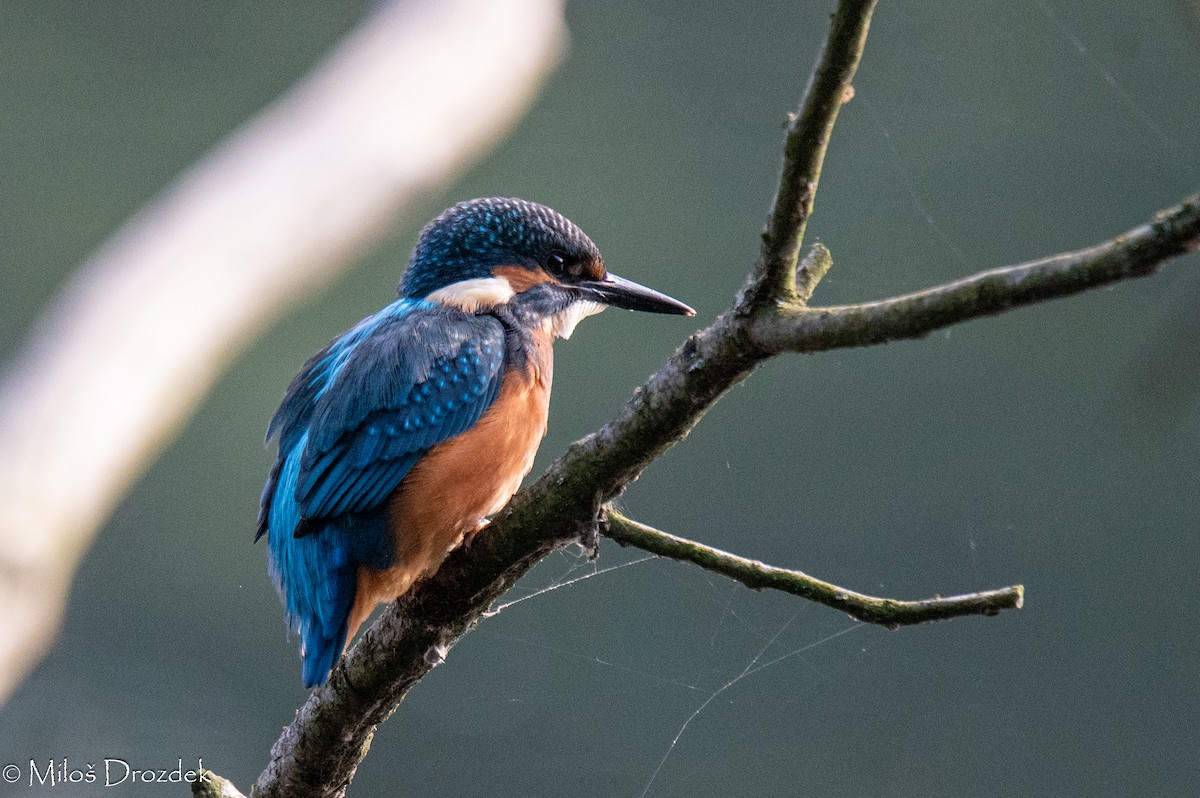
399	439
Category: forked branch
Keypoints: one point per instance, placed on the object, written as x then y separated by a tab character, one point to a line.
1139	252
808	134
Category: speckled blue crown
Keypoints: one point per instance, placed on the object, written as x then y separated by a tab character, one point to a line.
470	239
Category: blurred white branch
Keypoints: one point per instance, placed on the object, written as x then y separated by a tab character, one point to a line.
273	213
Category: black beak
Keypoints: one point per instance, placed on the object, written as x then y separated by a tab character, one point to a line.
622	293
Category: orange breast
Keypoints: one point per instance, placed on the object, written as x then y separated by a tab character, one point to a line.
459	483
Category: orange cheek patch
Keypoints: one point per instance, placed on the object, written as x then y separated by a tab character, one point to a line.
522	279
594	270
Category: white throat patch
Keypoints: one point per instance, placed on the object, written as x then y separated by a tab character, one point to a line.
562	324
488	292
471	295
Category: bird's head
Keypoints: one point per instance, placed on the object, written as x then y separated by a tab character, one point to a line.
483	253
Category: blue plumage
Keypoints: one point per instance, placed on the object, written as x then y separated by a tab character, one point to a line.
490	283
352	424
414	380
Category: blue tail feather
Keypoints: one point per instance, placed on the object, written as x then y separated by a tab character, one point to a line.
316	575
319	653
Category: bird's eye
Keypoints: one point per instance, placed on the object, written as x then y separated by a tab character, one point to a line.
555	263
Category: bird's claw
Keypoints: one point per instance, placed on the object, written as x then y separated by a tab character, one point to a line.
469	538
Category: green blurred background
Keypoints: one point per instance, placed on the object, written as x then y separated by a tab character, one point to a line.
1055	446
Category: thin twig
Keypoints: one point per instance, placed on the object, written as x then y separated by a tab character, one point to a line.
808	134
888	612
812	270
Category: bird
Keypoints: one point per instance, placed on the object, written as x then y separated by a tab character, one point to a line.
399	439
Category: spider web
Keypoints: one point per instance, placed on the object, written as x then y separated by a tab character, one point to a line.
755	658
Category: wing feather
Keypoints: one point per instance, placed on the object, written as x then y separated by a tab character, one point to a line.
408	385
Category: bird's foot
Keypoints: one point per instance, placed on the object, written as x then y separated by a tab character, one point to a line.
469	537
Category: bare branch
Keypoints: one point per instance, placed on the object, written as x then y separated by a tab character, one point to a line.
808	134
891	613
1136	253
318	753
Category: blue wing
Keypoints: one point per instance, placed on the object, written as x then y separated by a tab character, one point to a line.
409	385
352	424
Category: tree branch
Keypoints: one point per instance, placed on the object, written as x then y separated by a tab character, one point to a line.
891	613
318	753
808	134
1139	252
